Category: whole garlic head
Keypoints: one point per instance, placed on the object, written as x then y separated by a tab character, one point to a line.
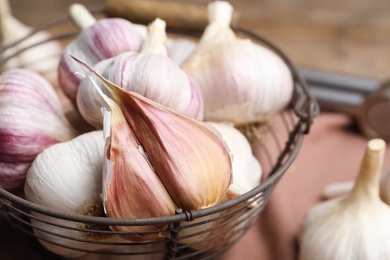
241	81
354	226
31	119
150	73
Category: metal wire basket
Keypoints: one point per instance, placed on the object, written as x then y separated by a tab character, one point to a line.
199	234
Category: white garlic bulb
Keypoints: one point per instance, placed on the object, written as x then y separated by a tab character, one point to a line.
68	177
354	226
241	82
42	58
31	119
99	40
150	73
179	49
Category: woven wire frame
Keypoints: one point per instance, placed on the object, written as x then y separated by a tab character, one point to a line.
199	234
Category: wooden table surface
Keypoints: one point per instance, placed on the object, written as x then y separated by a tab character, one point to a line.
350	36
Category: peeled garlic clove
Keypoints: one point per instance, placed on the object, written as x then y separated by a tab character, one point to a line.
150	73
41	58
68	177
241	82
191	159
102	40
354	226
31	119
246	168
131	188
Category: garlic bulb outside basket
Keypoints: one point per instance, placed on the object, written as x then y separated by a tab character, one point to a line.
150	73
241	82
31	119
354	226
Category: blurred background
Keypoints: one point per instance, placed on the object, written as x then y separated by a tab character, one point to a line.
348	37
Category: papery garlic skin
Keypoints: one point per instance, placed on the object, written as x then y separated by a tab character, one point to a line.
67	177
353	226
241	82
131	188
104	39
150	73
31	119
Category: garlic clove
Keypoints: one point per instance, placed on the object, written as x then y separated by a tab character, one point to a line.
196	171
131	188
353	226
41	58
241	82
97	41
31	119
150	73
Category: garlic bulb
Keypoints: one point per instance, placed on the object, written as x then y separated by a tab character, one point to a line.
150	73
353	226
97	41
241	82
31	119
41	58
196	171
68	177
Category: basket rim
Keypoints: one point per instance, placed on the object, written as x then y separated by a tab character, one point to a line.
306	108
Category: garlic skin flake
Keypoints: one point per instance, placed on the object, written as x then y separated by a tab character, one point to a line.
150	73
241	82
67	177
354	226
102	40
31	119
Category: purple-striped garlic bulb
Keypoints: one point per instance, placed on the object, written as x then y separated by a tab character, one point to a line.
31	119
97	41
150	73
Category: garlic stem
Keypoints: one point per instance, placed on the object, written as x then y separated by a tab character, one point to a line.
5	12
220	12
81	16
367	183
156	39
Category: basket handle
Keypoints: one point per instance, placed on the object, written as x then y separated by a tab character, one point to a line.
177	15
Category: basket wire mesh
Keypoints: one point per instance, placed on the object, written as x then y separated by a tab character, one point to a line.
199	234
